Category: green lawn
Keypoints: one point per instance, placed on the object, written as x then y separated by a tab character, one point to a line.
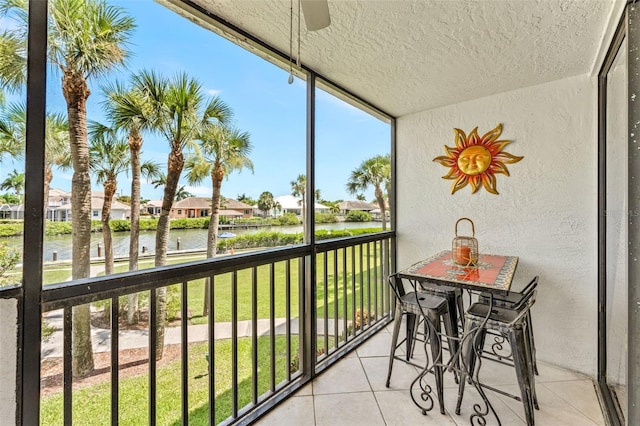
91	403
223	297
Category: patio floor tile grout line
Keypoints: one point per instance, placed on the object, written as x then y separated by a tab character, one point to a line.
371	387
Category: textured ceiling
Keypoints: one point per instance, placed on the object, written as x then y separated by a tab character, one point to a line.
406	56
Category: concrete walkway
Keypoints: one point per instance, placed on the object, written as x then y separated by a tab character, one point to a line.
129	339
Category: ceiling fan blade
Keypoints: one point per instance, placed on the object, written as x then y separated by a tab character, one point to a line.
316	14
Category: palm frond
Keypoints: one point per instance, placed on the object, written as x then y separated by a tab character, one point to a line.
373	172
150	170
88	37
109	155
13	61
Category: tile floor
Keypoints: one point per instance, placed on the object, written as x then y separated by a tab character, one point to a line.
353	392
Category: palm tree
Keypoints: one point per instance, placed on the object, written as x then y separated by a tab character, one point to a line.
298	189
81	52
266	202
13	126
86	39
182	193
375	172
246	199
180	113
127	110
109	158
57	149
160	180
13	131
13	47
14	181
222	150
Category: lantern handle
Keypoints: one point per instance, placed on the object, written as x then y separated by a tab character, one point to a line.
473	229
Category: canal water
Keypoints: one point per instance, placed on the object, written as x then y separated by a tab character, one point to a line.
190	239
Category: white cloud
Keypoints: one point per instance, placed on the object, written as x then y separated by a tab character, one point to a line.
213	92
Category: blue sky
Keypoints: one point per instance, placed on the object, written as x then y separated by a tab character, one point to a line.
264	104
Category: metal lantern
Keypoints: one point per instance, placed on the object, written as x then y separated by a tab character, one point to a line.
464	250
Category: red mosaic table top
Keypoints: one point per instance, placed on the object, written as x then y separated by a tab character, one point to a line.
492	273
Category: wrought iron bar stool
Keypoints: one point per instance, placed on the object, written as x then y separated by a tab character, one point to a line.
455	305
454	300
511	323
415	305
510	301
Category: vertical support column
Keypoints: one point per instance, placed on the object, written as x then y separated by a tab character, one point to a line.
633	360
29	360
310	325
392	197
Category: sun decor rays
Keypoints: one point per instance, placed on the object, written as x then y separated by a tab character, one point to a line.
477	160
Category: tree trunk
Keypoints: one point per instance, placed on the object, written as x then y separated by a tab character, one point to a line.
48	177
82	351
381	204
175	163
388	190
76	92
135	145
304	216
110	187
214	223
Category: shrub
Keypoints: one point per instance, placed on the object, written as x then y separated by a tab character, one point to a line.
294	365
61	228
190	223
57	228
148	224
259	239
358	216
120	225
11	229
288	219
9	258
361	321
323	234
173	302
47	330
276	239
326	218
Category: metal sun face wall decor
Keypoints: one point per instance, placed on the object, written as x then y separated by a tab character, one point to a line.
476	160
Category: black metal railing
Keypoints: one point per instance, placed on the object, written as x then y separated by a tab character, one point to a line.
245	355
351	269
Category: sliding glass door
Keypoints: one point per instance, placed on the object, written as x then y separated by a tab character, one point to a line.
619	131
616	216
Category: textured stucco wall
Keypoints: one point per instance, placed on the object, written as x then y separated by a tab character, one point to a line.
8	351
546	212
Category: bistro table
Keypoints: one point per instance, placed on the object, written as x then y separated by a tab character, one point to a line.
490	275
